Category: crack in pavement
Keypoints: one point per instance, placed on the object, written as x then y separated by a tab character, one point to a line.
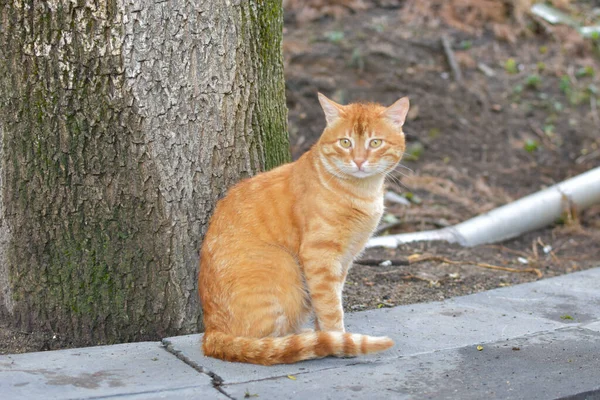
217	381
303	372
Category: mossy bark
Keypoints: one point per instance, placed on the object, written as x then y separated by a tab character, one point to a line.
121	125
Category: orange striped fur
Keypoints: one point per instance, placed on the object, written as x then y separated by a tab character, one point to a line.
280	244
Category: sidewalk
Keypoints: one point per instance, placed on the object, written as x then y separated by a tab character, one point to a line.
538	340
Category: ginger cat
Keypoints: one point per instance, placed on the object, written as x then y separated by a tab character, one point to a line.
280	244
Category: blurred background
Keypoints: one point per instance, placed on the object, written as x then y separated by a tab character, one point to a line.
504	103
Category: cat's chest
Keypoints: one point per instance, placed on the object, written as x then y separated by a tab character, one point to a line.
377	209
370	212
366	219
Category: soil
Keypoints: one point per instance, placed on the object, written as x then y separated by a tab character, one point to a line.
473	145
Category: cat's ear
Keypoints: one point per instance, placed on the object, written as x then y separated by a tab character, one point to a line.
397	111
333	111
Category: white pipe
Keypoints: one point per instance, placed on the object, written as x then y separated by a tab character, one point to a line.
526	214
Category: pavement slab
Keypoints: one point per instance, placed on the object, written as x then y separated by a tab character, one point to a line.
145	370
568	299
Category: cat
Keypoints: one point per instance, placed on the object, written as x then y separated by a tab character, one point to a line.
279	244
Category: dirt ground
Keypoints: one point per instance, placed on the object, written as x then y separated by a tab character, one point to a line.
473	145
523	117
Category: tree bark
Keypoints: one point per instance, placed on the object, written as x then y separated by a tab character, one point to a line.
122	122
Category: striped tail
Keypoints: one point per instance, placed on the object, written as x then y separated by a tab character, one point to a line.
292	348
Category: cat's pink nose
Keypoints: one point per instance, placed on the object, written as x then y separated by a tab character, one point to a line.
359	163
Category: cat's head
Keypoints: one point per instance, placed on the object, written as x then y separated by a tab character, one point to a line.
362	140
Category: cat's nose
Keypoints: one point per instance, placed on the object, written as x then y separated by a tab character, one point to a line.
359	163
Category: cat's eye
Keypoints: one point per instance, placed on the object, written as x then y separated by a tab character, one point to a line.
345	143
375	143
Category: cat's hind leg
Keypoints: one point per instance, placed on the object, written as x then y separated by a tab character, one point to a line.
267	296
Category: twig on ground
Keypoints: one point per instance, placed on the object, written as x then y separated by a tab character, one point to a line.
451	59
543	137
534	249
418	278
503	248
407	277
419	258
588	156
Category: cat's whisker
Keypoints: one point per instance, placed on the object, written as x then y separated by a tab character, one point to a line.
405	167
394	170
404	186
394	180
397	181
398	172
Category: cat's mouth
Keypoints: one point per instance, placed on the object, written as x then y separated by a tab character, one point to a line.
359	173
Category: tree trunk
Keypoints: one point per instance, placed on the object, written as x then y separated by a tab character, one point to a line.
122	123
